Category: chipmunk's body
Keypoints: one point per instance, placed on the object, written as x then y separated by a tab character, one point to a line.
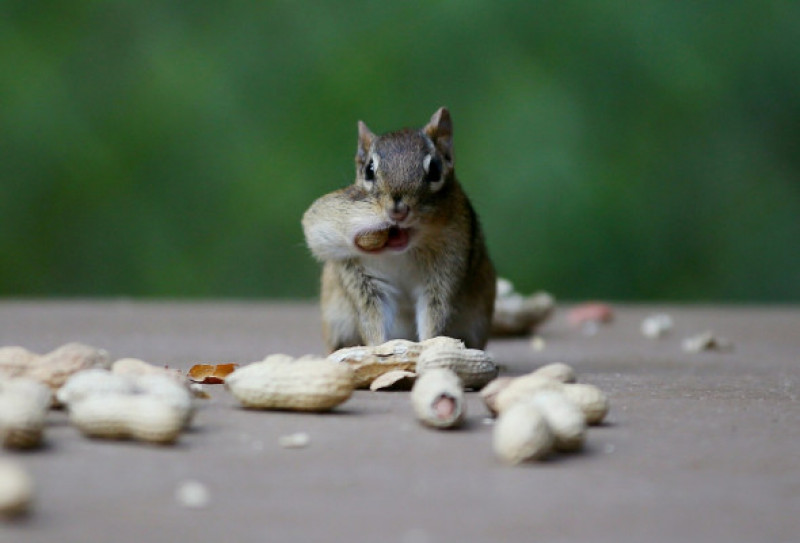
403	249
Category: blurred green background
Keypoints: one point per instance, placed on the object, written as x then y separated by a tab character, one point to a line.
622	150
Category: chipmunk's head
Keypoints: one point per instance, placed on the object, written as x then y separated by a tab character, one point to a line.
407	173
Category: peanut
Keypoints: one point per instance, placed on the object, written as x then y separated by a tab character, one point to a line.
558	371
24	404
16	489
93	382
313	384
442	342
123	416
522	433
373	240
53	368
565	419
515	314
438	398
489	393
473	366
590	399
503	392
103	386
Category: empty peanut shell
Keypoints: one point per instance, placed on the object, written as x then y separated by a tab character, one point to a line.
368	363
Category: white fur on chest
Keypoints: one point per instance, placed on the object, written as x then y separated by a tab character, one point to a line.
401	283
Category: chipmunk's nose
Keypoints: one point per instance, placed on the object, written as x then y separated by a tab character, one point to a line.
399	209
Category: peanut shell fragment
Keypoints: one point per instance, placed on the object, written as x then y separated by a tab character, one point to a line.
394	380
438	398
210	374
311	384
706	341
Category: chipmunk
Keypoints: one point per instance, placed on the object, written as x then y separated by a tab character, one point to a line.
403	251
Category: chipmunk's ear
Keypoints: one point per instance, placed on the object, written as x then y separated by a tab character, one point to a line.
440	130
365	139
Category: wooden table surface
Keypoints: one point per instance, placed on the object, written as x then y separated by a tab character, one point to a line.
697	446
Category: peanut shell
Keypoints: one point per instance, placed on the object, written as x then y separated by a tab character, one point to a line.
299	385
373	240
564	417
394	380
521	433
438	398
516	315
475	367
16	489
134	366
369	363
590	399
53	368
124	416
558	371
442	342
24	404
159	385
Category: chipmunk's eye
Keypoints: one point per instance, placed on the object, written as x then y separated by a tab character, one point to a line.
369	171
433	169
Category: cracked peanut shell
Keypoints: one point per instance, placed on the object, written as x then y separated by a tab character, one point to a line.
370	362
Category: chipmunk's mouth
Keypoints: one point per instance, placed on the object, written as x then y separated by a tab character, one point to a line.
393	238
398	238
